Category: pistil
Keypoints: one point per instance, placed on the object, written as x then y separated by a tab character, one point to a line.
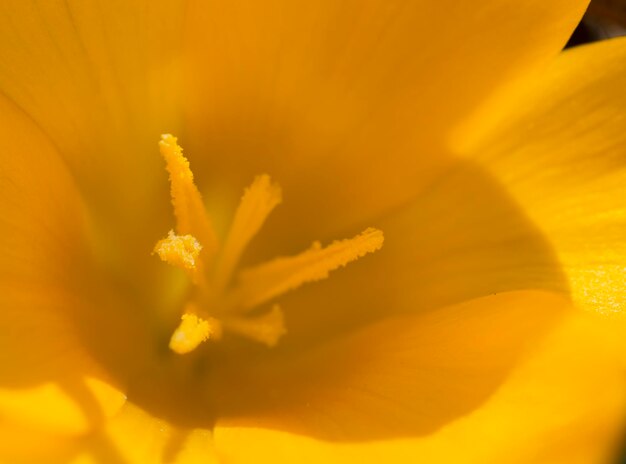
191	216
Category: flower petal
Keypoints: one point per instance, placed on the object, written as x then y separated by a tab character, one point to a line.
346	103
17	447
556	144
108	67
100	79
479	382
135	437
47	379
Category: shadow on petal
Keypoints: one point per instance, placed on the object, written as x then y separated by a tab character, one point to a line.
460	238
403	377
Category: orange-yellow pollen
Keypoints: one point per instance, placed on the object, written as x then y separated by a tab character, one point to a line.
192	331
181	251
222	305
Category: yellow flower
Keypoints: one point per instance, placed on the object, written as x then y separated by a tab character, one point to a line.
488	328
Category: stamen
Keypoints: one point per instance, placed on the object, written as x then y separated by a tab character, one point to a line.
267	328
181	251
271	279
192	331
194	245
257	203
191	217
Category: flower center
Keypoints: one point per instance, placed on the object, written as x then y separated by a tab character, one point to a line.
222	302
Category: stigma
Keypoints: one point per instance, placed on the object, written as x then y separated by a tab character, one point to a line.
227	295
